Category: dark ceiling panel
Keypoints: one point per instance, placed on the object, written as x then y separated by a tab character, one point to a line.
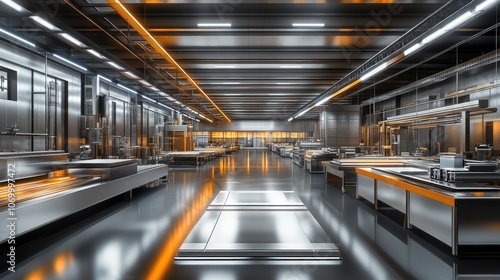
258	46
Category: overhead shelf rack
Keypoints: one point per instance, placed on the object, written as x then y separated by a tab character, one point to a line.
475	107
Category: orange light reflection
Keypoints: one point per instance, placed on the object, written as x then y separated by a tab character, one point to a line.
55	267
164	260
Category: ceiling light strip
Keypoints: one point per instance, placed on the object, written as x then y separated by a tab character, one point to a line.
70	62
118	42
308	24
13	5
72	40
45	23
214	24
130	19
339	92
17	38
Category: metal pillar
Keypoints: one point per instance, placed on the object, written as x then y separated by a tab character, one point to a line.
465	132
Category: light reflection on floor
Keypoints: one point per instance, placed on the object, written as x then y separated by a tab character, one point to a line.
257	226
128	240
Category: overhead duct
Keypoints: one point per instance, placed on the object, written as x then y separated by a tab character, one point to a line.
477	62
475	107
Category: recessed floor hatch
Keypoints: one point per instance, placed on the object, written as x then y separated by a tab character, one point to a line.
258	226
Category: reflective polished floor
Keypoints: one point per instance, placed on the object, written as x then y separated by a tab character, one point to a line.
140	239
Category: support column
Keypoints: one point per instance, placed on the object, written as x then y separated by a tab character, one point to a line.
465	132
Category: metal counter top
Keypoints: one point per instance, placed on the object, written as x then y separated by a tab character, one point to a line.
101	163
454	190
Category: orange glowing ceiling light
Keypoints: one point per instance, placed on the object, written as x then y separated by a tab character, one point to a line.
130	19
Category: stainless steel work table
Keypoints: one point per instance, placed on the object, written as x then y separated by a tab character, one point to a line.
345	169
188	158
464	216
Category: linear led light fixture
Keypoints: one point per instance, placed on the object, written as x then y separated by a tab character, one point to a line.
412	49
290	119
17	38
72	40
221	24
231	83
374	71
145	83
96	54
147	98
70	62
130	75
324	100
114	65
308	24
13	5
303	112
483	6
127	89
290	66
45	23
130	19
433	36
153	88
459	20
161	104
104	78
338	92
224	66
450	26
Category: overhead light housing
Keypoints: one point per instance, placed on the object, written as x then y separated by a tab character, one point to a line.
96	54
324	100
459	20
303	112
483	6
13	5
231	83
214	24
114	65
374	71
412	49
224	66
17	37
127	89
72	40
70	62
145	83
104	78
308	24
130	75
290	66
433	36
147	98
45	23
290	119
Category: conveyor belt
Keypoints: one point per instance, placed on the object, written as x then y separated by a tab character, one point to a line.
38	188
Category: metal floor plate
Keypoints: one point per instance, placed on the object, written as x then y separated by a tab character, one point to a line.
258	225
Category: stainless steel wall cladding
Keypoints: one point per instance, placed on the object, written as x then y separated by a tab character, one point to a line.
31	100
340	125
260	125
29	164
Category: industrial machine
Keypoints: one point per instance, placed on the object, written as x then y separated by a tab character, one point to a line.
454	168
299	151
62	187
